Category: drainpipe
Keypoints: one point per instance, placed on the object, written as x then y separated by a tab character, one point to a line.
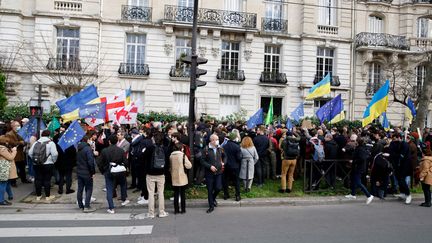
99	39
353	59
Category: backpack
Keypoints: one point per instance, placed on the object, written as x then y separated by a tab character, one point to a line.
319	154
291	149
158	157
40	153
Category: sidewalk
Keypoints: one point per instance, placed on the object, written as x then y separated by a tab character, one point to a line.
23	199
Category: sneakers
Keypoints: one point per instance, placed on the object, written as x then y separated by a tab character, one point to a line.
142	201
89	210
52	197
38	198
110	211
349	196
104	189
163	214
401	196
408	199
125	202
369	199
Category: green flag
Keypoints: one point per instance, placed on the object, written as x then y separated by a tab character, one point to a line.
269	117
53	125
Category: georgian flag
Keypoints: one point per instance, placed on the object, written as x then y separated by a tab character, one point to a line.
126	115
94	121
113	103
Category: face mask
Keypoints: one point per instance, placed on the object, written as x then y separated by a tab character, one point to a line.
217	142
17	129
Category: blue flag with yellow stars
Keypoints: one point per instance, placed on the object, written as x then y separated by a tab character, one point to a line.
71	136
30	129
93	111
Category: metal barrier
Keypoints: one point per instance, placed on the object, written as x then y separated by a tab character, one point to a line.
317	172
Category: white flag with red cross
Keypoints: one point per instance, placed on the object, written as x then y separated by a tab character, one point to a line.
126	115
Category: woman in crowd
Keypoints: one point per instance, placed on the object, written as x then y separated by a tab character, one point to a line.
426	176
178	163
7	169
249	159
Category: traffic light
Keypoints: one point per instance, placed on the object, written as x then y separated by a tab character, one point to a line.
198	72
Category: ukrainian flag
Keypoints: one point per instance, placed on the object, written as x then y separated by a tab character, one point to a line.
385	122
378	104
69	107
410	111
320	89
128	96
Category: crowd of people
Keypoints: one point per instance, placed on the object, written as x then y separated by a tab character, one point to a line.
157	154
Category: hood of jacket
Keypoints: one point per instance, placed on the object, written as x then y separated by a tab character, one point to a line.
44	139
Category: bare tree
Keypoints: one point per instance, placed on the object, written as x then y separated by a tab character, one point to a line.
8	56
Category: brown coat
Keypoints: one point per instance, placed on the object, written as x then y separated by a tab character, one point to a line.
17	139
178	175
7	155
426	170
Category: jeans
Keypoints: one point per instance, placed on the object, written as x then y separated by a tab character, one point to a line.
87	184
214	186
43	174
426	192
357	183
134	173
288	168
403	186
109	184
259	170
142	183
379	191
179	191
30	166
159	181
231	174
65	176
3	185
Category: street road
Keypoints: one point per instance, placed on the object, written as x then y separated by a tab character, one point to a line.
379	222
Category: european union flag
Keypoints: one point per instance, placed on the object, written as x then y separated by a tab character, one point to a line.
71	136
256	119
332	111
93	111
30	129
289	124
298	113
77	100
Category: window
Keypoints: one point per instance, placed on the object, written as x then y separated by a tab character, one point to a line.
420	77
324	64
186	3
181	103
422	28
183	48
135	53
375	76
233	5
138	96
274	9
277	105
140	3
376	24
319	103
68	44
230	56
327	12
229	104
271	58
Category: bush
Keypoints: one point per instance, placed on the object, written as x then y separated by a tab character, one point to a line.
161	117
17	112
3	99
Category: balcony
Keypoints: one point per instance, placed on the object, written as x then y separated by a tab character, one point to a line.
136	13
211	17
327	29
231	75
63	64
377	1
68	6
273	78
179	72
424	43
366	39
274	25
422	1
133	69
334	80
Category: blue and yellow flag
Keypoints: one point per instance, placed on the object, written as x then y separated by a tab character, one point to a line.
385	122
128	96
410	111
320	89
256	119
378	104
332	111
71	136
69	107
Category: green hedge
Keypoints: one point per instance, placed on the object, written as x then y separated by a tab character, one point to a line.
18	112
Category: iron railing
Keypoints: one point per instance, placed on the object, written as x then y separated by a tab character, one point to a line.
274	25
334	80
134	69
231	74
273	78
180	72
422	1
211	16
136	13
72	64
381	40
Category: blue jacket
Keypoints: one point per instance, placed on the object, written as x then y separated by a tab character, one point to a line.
233	154
85	161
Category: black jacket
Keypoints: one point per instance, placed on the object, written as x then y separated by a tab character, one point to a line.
262	144
233	154
331	149
136	155
210	159
111	154
381	168
360	159
400	158
149	161
85	161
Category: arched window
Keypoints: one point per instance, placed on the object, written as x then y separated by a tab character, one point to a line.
423	27
376	24
327	12
375	77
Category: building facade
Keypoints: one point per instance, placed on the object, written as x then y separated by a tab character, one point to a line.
256	49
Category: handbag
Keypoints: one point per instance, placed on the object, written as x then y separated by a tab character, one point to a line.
4	170
117	169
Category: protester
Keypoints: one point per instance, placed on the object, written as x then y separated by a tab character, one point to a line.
7	155
261	143
85	174
400	158
290	151
232	166
178	164
381	169
426	176
249	159
20	157
331	150
44	154
66	161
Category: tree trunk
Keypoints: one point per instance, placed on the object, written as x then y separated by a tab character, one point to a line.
425	97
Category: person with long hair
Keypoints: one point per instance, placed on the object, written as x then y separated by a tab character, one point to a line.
249	159
7	155
426	175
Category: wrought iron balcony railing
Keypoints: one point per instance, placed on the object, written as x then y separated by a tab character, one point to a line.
64	64
211	16
231	75
134	69
136	13
334	80
377	1
179	72
273	78
372	88
274	25
422	1
381	40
